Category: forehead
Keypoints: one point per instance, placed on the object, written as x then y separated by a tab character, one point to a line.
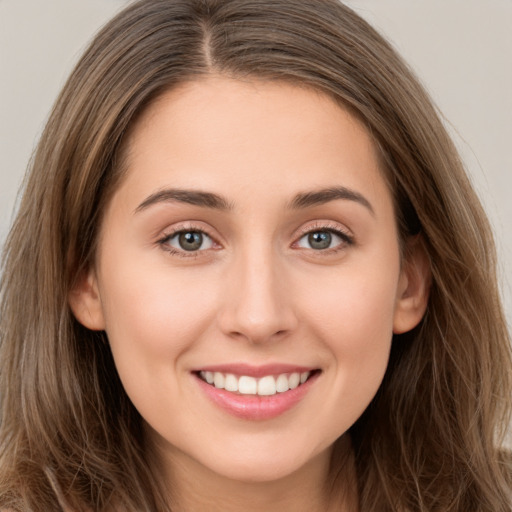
224	134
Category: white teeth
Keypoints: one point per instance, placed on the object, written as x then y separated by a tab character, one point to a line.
294	380
247	385
265	386
218	380
282	384
231	383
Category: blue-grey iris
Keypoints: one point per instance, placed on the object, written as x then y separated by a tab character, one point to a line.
320	239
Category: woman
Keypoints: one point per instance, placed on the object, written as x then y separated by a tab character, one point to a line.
249	272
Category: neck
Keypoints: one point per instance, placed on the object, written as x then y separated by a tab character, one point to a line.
326	483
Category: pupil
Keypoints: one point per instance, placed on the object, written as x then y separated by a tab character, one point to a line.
320	239
191	241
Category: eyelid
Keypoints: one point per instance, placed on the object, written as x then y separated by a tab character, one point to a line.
326	225
330	226
334	227
188	226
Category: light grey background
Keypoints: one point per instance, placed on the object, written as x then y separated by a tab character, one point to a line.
461	49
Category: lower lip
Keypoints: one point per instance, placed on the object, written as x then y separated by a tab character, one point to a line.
255	407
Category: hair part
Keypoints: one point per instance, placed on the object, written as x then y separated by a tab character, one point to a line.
70	437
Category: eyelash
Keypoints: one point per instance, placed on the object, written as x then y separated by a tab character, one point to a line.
164	241
347	239
322	227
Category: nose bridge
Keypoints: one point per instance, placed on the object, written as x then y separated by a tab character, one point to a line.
258	307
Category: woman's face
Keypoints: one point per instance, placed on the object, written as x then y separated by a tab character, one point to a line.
248	276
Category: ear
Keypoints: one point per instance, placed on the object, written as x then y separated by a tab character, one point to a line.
85	302
413	287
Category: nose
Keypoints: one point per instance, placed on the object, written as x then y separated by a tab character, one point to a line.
258	305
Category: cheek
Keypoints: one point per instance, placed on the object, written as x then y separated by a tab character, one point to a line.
153	314
356	301
152	319
353	316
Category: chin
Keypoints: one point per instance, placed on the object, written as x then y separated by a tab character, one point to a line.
265	466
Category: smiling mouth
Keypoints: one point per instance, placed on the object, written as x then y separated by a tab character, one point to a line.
267	385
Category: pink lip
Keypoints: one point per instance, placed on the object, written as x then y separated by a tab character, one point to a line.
254	407
255	371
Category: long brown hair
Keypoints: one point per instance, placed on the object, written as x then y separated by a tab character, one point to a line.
69	436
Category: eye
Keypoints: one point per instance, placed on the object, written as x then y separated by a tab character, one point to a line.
323	239
189	241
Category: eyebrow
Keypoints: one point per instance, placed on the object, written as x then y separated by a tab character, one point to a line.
193	197
214	201
322	196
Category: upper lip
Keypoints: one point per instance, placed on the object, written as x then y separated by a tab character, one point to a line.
256	371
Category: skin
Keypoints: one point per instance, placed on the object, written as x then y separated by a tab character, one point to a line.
256	292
